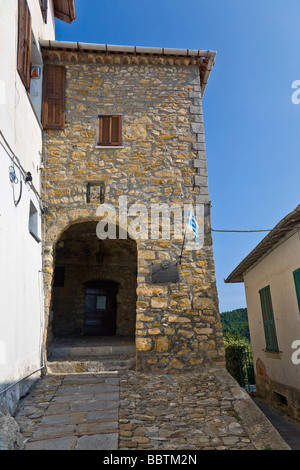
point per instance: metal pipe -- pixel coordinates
(21, 380)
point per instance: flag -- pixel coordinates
(193, 225)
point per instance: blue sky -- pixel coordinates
(252, 127)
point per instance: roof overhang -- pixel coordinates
(206, 58)
(65, 10)
(284, 229)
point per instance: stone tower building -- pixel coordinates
(123, 127)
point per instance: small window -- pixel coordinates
(44, 9)
(296, 275)
(34, 222)
(59, 276)
(268, 319)
(24, 43)
(110, 130)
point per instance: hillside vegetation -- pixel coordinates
(238, 351)
(235, 323)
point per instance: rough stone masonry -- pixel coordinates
(161, 159)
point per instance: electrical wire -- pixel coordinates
(23, 173)
(253, 231)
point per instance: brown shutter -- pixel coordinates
(116, 130)
(110, 130)
(24, 43)
(105, 129)
(53, 112)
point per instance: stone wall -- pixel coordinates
(161, 160)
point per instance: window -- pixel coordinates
(24, 43)
(59, 276)
(34, 222)
(268, 319)
(44, 8)
(297, 284)
(110, 130)
(53, 107)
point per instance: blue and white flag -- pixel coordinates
(193, 225)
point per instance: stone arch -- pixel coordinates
(73, 223)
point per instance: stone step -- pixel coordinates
(66, 352)
(86, 364)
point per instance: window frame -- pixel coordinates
(296, 276)
(268, 319)
(110, 143)
(33, 222)
(24, 43)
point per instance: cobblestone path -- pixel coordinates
(189, 411)
(73, 411)
(138, 411)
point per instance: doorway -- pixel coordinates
(100, 309)
(94, 285)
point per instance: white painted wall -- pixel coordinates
(21, 300)
(276, 270)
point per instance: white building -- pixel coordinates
(23, 23)
(271, 276)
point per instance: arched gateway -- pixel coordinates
(92, 289)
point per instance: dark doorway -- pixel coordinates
(100, 309)
(82, 262)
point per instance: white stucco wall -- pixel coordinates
(276, 270)
(21, 309)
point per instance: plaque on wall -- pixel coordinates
(165, 272)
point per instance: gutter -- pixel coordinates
(81, 46)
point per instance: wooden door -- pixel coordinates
(100, 309)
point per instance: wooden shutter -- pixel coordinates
(110, 130)
(297, 285)
(24, 43)
(268, 319)
(53, 112)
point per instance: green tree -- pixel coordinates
(238, 351)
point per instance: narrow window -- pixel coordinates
(59, 276)
(44, 8)
(53, 108)
(268, 319)
(34, 222)
(110, 130)
(297, 284)
(24, 43)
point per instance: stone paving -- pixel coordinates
(136, 411)
(73, 411)
(181, 412)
